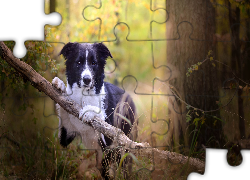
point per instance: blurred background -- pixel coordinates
(185, 63)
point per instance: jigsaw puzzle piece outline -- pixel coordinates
(189, 37)
(124, 23)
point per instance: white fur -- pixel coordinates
(86, 72)
(87, 52)
(58, 83)
(92, 105)
(88, 112)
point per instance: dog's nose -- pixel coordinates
(86, 80)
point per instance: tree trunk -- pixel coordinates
(236, 62)
(190, 31)
(52, 6)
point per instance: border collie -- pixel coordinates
(85, 85)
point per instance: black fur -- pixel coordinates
(113, 97)
(66, 139)
(75, 55)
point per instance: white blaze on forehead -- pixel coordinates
(86, 65)
(86, 71)
(87, 52)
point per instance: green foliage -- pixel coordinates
(188, 117)
(125, 155)
(36, 57)
(40, 159)
(244, 4)
(15, 85)
(195, 67)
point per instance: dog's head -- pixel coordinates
(85, 64)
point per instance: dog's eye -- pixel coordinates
(93, 63)
(79, 62)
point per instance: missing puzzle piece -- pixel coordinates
(218, 168)
(27, 23)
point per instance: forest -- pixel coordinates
(183, 62)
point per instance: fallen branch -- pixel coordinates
(163, 158)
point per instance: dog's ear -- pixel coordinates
(102, 51)
(70, 49)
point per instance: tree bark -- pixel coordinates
(52, 6)
(190, 30)
(163, 158)
(236, 61)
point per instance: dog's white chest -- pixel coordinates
(84, 98)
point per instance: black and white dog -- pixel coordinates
(85, 85)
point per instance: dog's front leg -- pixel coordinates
(59, 84)
(88, 113)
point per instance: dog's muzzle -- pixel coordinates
(86, 80)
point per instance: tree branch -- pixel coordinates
(163, 158)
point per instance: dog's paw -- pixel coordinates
(59, 84)
(88, 113)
